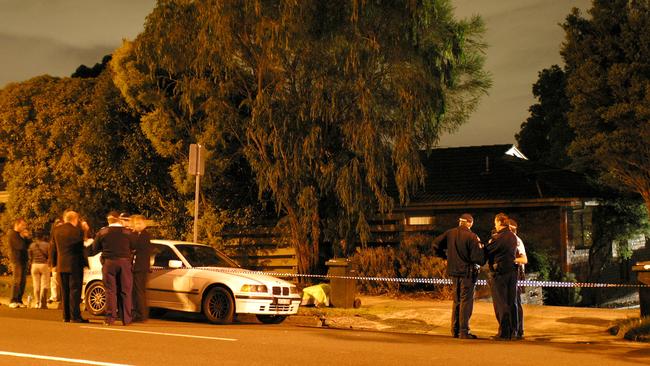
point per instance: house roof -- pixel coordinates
(495, 173)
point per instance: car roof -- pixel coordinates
(175, 242)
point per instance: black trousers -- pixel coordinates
(463, 304)
(19, 279)
(518, 330)
(118, 280)
(503, 287)
(71, 293)
(140, 308)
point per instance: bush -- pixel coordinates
(411, 259)
(548, 268)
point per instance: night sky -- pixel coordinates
(56, 36)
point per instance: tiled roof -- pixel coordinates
(496, 172)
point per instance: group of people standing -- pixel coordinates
(505, 255)
(59, 263)
(125, 265)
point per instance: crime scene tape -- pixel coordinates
(431, 281)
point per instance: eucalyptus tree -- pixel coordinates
(328, 102)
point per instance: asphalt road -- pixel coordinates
(38, 337)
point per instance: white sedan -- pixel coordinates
(198, 278)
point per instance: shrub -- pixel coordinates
(411, 259)
(547, 266)
(376, 262)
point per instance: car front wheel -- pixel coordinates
(271, 319)
(219, 306)
(96, 298)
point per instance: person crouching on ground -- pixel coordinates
(465, 255)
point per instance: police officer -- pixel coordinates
(116, 242)
(465, 255)
(503, 276)
(520, 260)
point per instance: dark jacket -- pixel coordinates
(501, 251)
(17, 247)
(142, 251)
(463, 251)
(114, 242)
(68, 249)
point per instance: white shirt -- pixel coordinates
(521, 250)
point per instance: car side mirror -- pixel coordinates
(175, 264)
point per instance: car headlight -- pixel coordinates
(254, 288)
(293, 290)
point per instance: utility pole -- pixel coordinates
(196, 168)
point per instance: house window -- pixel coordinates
(420, 220)
(580, 228)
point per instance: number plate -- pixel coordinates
(284, 301)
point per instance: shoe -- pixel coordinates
(80, 321)
(49, 301)
(455, 335)
(66, 320)
(14, 305)
(21, 305)
(467, 336)
(499, 338)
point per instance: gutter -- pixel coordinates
(538, 202)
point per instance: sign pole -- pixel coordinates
(196, 168)
(196, 208)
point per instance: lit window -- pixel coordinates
(420, 220)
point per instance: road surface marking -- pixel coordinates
(62, 359)
(160, 333)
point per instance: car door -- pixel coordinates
(167, 287)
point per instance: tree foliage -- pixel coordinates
(576, 115)
(546, 134)
(84, 71)
(326, 102)
(74, 143)
(607, 60)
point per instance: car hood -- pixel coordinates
(241, 274)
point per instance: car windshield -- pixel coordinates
(204, 256)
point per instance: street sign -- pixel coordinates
(197, 160)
